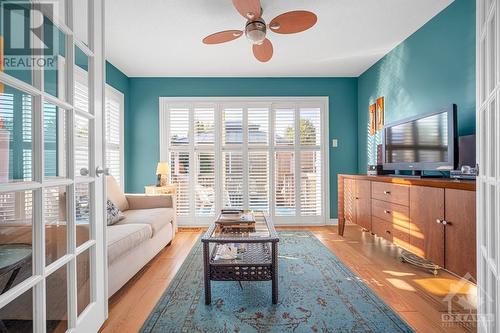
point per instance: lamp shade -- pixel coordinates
(162, 168)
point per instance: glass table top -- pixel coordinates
(262, 229)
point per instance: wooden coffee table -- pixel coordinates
(258, 262)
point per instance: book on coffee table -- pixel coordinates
(236, 217)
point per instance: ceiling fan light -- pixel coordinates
(275, 26)
(256, 32)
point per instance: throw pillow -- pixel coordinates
(114, 214)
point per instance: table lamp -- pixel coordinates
(161, 173)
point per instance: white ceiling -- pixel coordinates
(163, 37)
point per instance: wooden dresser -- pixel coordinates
(433, 218)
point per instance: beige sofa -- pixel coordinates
(149, 225)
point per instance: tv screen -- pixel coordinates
(422, 143)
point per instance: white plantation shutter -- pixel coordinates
(258, 181)
(310, 126)
(258, 125)
(81, 91)
(284, 127)
(179, 175)
(204, 126)
(232, 126)
(245, 154)
(179, 126)
(205, 184)
(114, 133)
(233, 179)
(81, 144)
(310, 183)
(284, 183)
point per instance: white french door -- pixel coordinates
(260, 153)
(488, 148)
(52, 233)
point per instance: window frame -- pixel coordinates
(219, 147)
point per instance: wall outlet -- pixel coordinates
(335, 143)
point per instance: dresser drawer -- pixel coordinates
(398, 194)
(391, 232)
(382, 228)
(390, 212)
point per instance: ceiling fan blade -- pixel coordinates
(222, 37)
(264, 51)
(249, 9)
(293, 22)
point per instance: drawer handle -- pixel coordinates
(387, 192)
(387, 211)
(443, 222)
(388, 232)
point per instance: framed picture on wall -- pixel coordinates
(373, 121)
(379, 114)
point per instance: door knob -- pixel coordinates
(99, 171)
(84, 172)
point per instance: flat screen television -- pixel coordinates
(422, 143)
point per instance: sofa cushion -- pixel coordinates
(115, 193)
(157, 218)
(124, 237)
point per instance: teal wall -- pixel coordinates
(432, 68)
(141, 120)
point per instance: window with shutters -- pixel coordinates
(114, 113)
(246, 154)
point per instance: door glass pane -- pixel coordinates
(284, 185)
(55, 137)
(492, 222)
(258, 125)
(81, 146)
(204, 126)
(17, 46)
(232, 131)
(55, 223)
(258, 181)
(16, 229)
(205, 185)
(17, 316)
(482, 70)
(284, 127)
(57, 301)
(83, 209)
(81, 20)
(233, 180)
(492, 40)
(81, 80)
(310, 126)
(179, 172)
(310, 183)
(15, 135)
(83, 280)
(484, 143)
(492, 139)
(56, 40)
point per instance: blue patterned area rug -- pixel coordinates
(317, 293)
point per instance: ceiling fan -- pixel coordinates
(256, 28)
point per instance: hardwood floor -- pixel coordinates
(416, 295)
